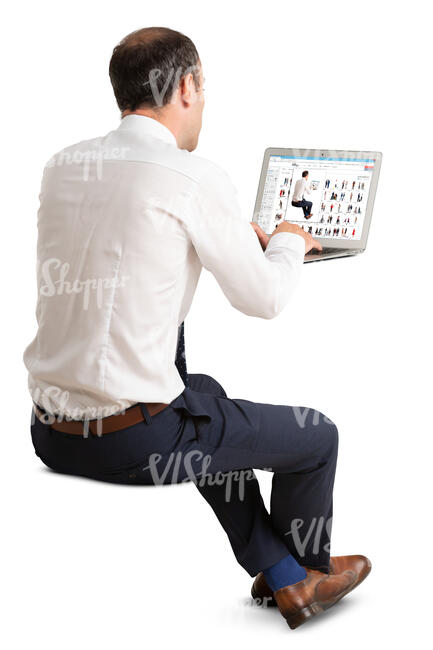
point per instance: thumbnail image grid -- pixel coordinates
(339, 203)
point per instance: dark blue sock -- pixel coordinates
(285, 572)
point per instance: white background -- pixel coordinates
(91, 565)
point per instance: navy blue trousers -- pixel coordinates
(305, 205)
(216, 442)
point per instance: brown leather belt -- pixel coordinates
(110, 424)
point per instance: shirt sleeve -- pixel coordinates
(256, 283)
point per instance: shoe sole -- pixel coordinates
(306, 614)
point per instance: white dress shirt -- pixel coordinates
(126, 223)
(301, 187)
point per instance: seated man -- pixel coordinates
(126, 223)
(298, 200)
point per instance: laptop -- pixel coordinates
(329, 193)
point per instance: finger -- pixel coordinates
(316, 244)
(263, 239)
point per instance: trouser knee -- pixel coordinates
(207, 384)
(330, 433)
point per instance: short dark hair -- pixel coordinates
(147, 66)
(305, 173)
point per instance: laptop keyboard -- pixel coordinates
(314, 251)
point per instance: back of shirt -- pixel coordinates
(299, 190)
(125, 224)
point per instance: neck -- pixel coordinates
(160, 115)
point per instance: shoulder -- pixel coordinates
(202, 170)
(207, 179)
(206, 175)
(76, 153)
(213, 180)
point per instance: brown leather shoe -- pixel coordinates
(302, 601)
(360, 564)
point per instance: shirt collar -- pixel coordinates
(147, 126)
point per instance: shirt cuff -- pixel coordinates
(289, 240)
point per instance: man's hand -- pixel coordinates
(262, 236)
(310, 243)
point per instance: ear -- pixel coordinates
(187, 89)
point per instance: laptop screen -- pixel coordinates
(325, 196)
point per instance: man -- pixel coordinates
(298, 201)
(126, 223)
